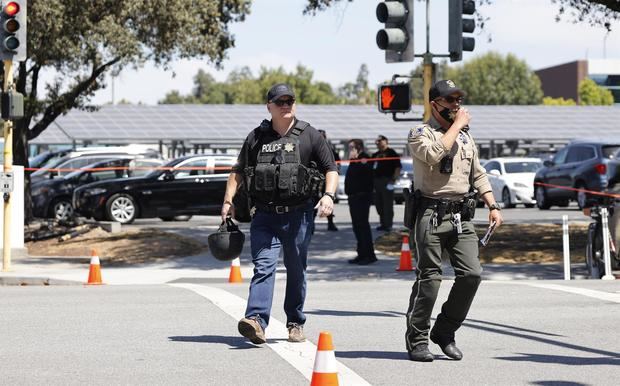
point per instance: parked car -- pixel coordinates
(52, 197)
(69, 162)
(581, 164)
(190, 185)
(512, 180)
(342, 173)
(404, 180)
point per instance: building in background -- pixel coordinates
(562, 81)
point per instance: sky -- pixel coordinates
(334, 44)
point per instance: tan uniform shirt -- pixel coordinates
(427, 150)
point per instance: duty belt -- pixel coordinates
(281, 209)
(444, 206)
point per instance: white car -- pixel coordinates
(512, 180)
(340, 195)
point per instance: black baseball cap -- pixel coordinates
(381, 138)
(444, 88)
(279, 90)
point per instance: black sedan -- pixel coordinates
(52, 197)
(191, 185)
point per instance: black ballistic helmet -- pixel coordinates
(227, 243)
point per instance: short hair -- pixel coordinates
(357, 143)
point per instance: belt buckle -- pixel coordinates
(281, 209)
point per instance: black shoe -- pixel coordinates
(447, 345)
(332, 227)
(420, 353)
(355, 261)
(367, 261)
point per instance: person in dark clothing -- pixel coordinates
(358, 187)
(330, 219)
(386, 172)
(282, 162)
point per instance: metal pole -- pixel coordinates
(8, 168)
(427, 74)
(566, 247)
(606, 255)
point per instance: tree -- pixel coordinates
(591, 93)
(79, 41)
(357, 92)
(594, 12)
(492, 79)
(242, 87)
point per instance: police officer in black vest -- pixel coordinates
(284, 163)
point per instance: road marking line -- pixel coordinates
(611, 297)
(299, 355)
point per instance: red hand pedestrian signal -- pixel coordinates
(386, 98)
(394, 98)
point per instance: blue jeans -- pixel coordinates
(269, 233)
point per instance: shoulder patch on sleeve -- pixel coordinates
(416, 131)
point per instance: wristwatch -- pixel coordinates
(494, 206)
(330, 195)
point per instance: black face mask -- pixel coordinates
(446, 114)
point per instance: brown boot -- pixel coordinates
(251, 329)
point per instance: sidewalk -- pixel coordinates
(327, 261)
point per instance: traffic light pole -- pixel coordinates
(8, 166)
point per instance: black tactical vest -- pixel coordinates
(279, 177)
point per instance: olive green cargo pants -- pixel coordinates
(431, 241)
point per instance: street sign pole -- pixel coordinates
(8, 170)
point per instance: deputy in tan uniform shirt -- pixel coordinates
(446, 165)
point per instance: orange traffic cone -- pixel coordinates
(94, 272)
(405, 256)
(235, 271)
(325, 372)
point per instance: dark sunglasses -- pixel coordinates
(282, 102)
(451, 99)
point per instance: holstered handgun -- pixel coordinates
(412, 206)
(470, 201)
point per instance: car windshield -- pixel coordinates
(522, 167)
(161, 169)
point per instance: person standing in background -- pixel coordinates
(386, 172)
(358, 187)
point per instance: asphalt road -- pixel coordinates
(518, 333)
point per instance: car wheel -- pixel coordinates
(121, 208)
(61, 209)
(542, 202)
(582, 197)
(506, 198)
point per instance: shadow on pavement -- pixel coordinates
(235, 342)
(400, 355)
(561, 359)
(390, 314)
(613, 357)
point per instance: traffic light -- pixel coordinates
(394, 98)
(397, 36)
(457, 43)
(13, 30)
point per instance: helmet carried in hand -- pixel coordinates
(227, 243)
